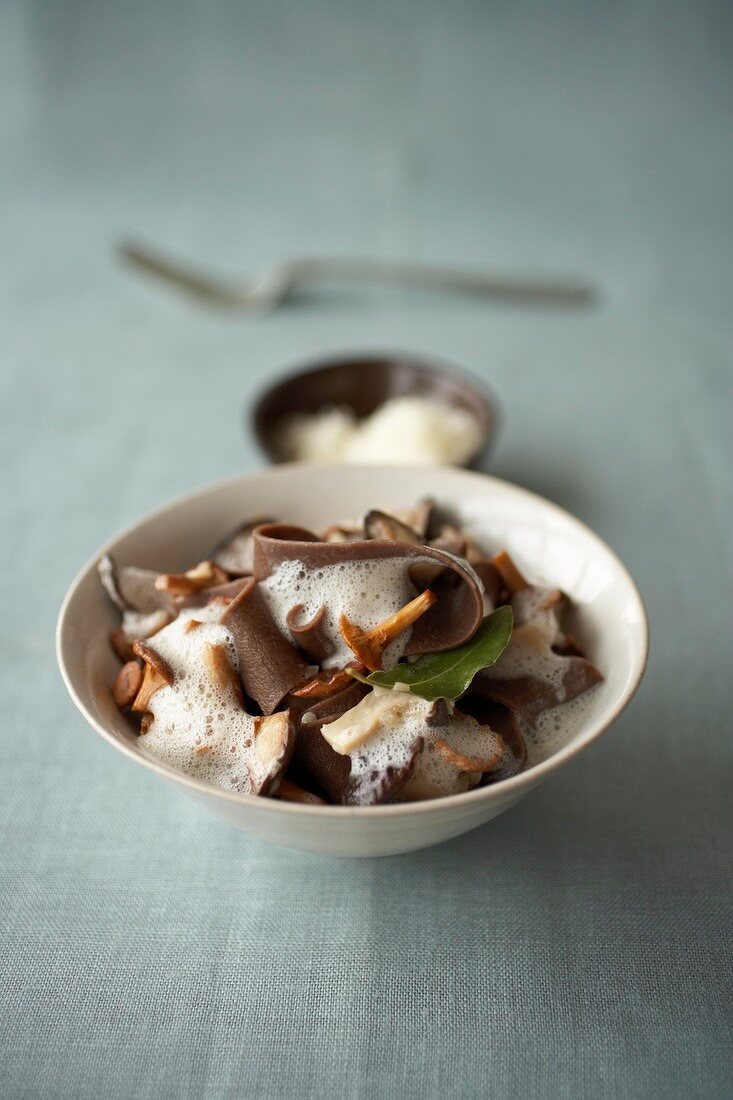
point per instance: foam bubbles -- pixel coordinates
(366, 591)
(435, 776)
(198, 727)
(529, 654)
(400, 720)
(555, 728)
(393, 743)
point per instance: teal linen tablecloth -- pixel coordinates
(578, 946)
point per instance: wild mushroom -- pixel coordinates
(291, 792)
(220, 669)
(204, 575)
(218, 593)
(342, 532)
(381, 525)
(145, 610)
(368, 646)
(456, 757)
(274, 739)
(507, 570)
(127, 684)
(324, 685)
(157, 673)
(420, 518)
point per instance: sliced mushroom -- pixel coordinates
(220, 669)
(204, 575)
(450, 542)
(154, 659)
(381, 525)
(234, 553)
(455, 757)
(274, 740)
(463, 763)
(221, 593)
(421, 516)
(132, 589)
(128, 683)
(152, 681)
(157, 673)
(342, 532)
(368, 646)
(507, 570)
(288, 791)
(324, 685)
(121, 644)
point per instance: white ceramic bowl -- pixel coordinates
(546, 542)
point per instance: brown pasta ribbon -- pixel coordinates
(456, 614)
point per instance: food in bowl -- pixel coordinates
(411, 429)
(393, 659)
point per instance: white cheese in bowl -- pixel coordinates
(413, 430)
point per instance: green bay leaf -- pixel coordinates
(447, 675)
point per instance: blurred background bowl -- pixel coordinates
(363, 382)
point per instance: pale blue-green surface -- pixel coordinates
(578, 946)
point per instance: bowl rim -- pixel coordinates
(484, 394)
(517, 784)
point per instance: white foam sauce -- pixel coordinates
(434, 776)
(366, 591)
(557, 727)
(198, 727)
(136, 625)
(529, 654)
(392, 743)
(395, 720)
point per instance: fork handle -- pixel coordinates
(484, 284)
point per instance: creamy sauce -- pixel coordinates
(528, 654)
(367, 592)
(199, 727)
(434, 776)
(557, 727)
(381, 731)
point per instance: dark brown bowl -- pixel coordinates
(363, 383)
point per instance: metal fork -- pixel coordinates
(270, 287)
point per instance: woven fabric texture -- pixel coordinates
(578, 946)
